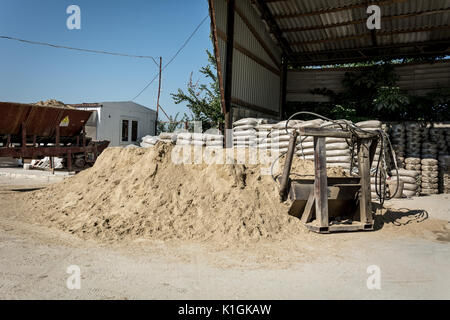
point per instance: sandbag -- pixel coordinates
(430, 168)
(429, 162)
(245, 121)
(250, 133)
(410, 186)
(408, 193)
(243, 128)
(184, 136)
(408, 173)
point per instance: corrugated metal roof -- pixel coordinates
(322, 30)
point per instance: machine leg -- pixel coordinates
(320, 183)
(365, 198)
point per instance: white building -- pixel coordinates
(121, 123)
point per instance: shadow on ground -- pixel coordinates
(399, 217)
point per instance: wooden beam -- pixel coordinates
(365, 197)
(283, 86)
(320, 182)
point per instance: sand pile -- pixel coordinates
(140, 193)
(53, 103)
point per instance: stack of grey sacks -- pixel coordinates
(437, 135)
(168, 137)
(413, 139)
(444, 173)
(244, 132)
(430, 176)
(397, 134)
(429, 145)
(411, 180)
(414, 165)
(373, 126)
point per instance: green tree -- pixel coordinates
(203, 100)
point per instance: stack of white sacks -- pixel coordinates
(430, 176)
(263, 135)
(414, 165)
(411, 180)
(248, 132)
(214, 139)
(149, 141)
(169, 137)
(280, 135)
(193, 139)
(244, 132)
(338, 152)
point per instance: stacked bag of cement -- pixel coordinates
(244, 132)
(263, 135)
(337, 149)
(194, 139)
(444, 173)
(214, 140)
(414, 165)
(437, 136)
(305, 145)
(430, 176)
(411, 180)
(397, 134)
(413, 139)
(280, 135)
(149, 141)
(169, 137)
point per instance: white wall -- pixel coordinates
(109, 121)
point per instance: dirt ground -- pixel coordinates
(411, 249)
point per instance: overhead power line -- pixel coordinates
(174, 56)
(77, 49)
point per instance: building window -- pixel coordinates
(134, 131)
(125, 130)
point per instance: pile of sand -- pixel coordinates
(140, 193)
(53, 103)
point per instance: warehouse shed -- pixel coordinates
(121, 123)
(256, 40)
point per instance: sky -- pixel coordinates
(29, 73)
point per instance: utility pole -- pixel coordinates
(159, 94)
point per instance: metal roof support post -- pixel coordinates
(229, 69)
(283, 87)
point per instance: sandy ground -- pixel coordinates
(413, 258)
